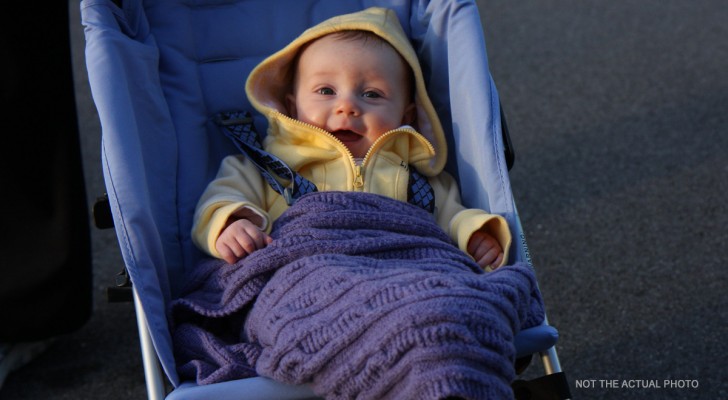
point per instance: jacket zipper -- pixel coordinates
(358, 178)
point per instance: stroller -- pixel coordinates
(160, 69)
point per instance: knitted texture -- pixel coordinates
(360, 296)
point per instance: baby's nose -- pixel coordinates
(347, 105)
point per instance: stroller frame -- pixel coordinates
(121, 41)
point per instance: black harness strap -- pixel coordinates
(239, 128)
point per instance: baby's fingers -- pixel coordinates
(488, 257)
(254, 239)
(239, 239)
(485, 250)
(498, 261)
(475, 243)
(230, 252)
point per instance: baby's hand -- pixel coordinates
(239, 239)
(485, 250)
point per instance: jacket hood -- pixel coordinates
(270, 82)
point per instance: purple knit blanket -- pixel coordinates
(360, 296)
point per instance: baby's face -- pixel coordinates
(355, 89)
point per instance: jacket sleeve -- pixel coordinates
(461, 222)
(236, 192)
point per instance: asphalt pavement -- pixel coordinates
(618, 112)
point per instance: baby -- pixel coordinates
(342, 102)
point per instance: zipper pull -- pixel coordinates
(358, 178)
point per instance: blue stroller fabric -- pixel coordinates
(364, 297)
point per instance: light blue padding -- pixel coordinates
(159, 71)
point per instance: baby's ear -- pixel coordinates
(410, 114)
(291, 105)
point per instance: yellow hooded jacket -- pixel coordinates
(239, 191)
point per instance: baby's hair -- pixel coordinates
(354, 35)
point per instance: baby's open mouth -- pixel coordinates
(346, 135)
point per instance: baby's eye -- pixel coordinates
(371, 95)
(325, 91)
